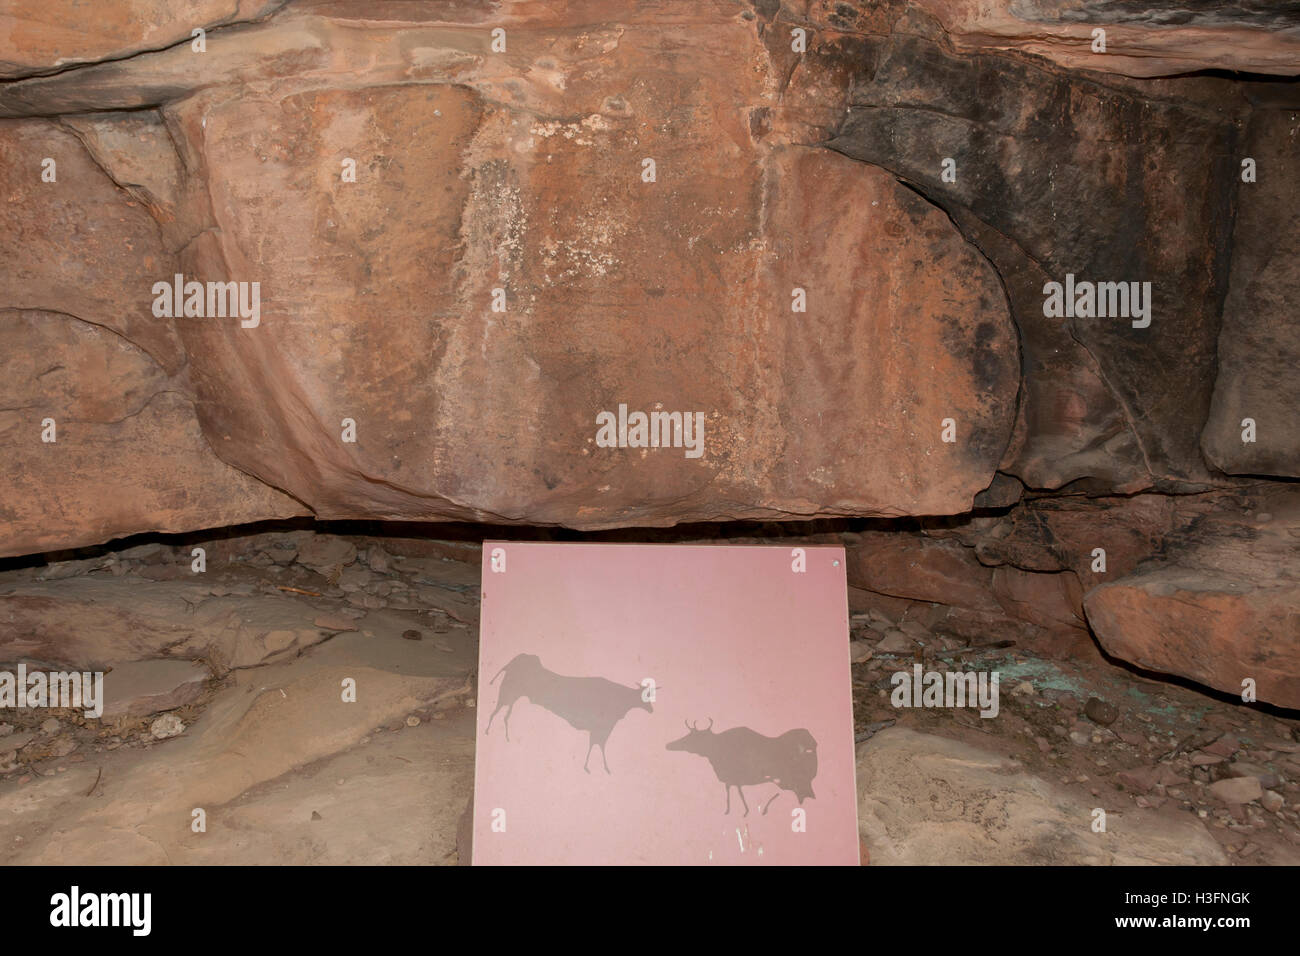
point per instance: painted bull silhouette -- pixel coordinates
(592, 704)
(743, 758)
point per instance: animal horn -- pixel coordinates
(688, 725)
(710, 727)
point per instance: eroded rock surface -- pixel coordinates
(927, 800)
(838, 259)
(1221, 605)
(746, 280)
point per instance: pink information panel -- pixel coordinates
(657, 704)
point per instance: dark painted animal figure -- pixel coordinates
(593, 704)
(743, 758)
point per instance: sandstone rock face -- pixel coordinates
(1119, 406)
(926, 800)
(127, 452)
(504, 269)
(149, 687)
(920, 569)
(1141, 38)
(46, 35)
(95, 621)
(1221, 607)
(824, 232)
(1258, 349)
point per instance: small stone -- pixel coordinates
(412, 635)
(1206, 760)
(413, 721)
(1023, 689)
(1044, 744)
(1235, 790)
(1081, 739)
(1272, 801)
(1146, 779)
(316, 816)
(1100, 712)
(168, 725)
(322, 553)
(354, 578)
(1265, 776)
(282, 554)
(1225, 746)
(50, 725)
(859, 651)
(1283, 746)
(6, 730)
(895, 642)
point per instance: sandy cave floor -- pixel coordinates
(285, 776)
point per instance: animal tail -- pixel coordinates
(500, 672)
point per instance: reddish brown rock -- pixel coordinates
(1258, 351)
(47, 35)
(1146, 779)
(1222, 607)
(128, 455)
(921, 569)
(1051, 601)
(523, 172)
(1039, 185)
(80, 245)
(1062, 533)
(1141, 38)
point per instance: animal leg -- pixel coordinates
(602, 758)
(728, 786)
(493, 716)
(584, 763)
(741, 791)
(769, 803)
(505, 721)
